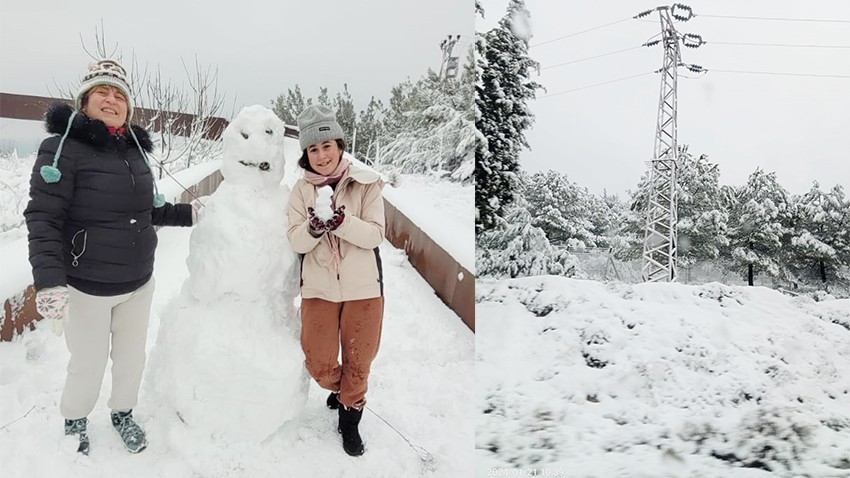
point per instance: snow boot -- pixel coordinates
(79, 427)
(131, 433)
(349, 419)
(333, 400)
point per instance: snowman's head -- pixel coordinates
(253, 148)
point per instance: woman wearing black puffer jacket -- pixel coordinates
(91, 216)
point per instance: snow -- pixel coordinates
(14, 262)
(172, 186)
(582, 378)
(421, 383)
(323, 203)
(452, 228)
(14, 194)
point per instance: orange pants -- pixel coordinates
(356, 325)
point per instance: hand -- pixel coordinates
(52, 304)
(336, 220)
(197, 206)
(317, 226)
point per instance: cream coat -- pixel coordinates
(360, 275)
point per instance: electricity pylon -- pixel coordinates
(660, 243)
(449, 63)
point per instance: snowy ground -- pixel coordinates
(583, 379)
(422, 384)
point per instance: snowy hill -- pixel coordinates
(584, 379)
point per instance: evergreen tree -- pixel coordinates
(346, 116)
(287, 107)
(820, 246)
(563, 210)
(370, 128)
(323, 98)
(702, 220)
(430, 129)
(702, 216)
(517, 248)
(502, 91)
(758, 228)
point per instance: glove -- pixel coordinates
(317, 226)
(52, 304)
(336, 220)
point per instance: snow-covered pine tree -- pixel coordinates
(517, 248)
(370, 128)
(288, 106)
(758, 228)
(323, 98)
(563, 210)
(820, 243)
(608, 219)
(502, 94)
(430, 127)
(703, 219)
(343, 104)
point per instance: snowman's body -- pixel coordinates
(228, 358)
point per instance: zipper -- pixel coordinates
(75, 257)
(132, 177)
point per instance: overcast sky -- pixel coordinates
(602, 136)
(261, 48)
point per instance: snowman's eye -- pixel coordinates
(269, 131)
(245, 135)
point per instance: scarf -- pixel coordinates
(338, 175)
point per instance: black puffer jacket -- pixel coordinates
(94, 228)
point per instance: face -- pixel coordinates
(324, 157)
(108, 104)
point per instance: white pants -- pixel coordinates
(91, 322)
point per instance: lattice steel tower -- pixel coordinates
(659, 245)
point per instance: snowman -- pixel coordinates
(227, 358)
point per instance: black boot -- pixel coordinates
(333, 400)
(131, 433)
(349, 418)
(79, 427)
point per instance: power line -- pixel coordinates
(597, 84)
(579, 33)
(775, 44)
(591, 57)
(812, 75)
(774, 18)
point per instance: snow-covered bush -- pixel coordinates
(14, 193)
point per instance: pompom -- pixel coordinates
(158, 200)
(50, 174)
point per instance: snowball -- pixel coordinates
(324, 211)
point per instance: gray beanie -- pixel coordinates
(318, 124)
(105, 72)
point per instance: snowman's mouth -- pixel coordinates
(264, 166)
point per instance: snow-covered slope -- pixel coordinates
(584, 379)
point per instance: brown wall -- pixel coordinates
(433, 263)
